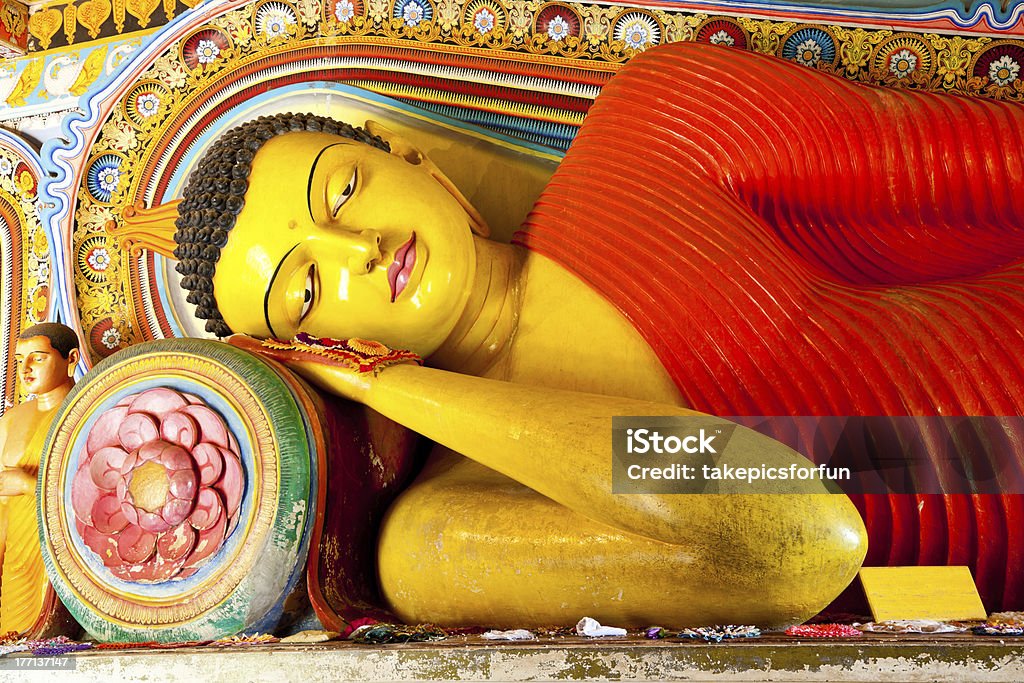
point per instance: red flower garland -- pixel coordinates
(823, 631)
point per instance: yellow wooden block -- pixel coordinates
(939, 593)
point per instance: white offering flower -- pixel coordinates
(808, 52)
(276, 22)
(413, 14)
(99, 259)
(109, 178)
(344, 11)
(484, 21)
(147, 104)
(636, 35)
(111, 338)
(207, 51)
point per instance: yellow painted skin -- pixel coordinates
(512, 522)
(44, 372)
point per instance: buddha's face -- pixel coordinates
(340, 239)
(41, 367)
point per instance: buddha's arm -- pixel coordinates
(13, 480)
(555, 442)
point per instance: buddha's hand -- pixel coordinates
(345, 367)
(15, 481)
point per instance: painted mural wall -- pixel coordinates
(108, 109)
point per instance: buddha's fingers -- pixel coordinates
(16, 482)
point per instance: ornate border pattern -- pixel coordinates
(63, 23)
(24, 254)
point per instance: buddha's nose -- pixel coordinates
(364, 252)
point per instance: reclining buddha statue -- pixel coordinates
(719, 240)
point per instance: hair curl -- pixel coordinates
(215, 195)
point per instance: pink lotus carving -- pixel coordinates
(159, 487)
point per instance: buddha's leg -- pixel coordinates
(465, 545)
(23, 574)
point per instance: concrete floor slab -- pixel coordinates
(772, 658)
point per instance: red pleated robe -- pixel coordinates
(790, 243)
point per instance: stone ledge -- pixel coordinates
(773, 658)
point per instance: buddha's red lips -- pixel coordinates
(400, 269)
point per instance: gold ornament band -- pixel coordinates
(360, 355)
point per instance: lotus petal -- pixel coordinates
(209, 461)
(211, 425)
(104, 432)
(135, 545)
(105, 467)
(158, 402)
(181, 429)
(136, 430)
(107, 516)
(209, 509)
(177, 543)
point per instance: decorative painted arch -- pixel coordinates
(25, 294)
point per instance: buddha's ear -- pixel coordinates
(73, 358)
(401, 147)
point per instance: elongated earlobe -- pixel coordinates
(141, 228)
(403, 148)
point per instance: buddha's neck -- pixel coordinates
(52, 398)
(486, 329)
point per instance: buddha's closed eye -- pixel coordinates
(309, 296)
(344, 195)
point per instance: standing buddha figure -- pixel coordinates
(46, 354)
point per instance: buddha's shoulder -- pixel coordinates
(17, 427)
(571, 337)
(22, 419)
(26, 410)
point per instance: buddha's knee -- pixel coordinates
(787, 556)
